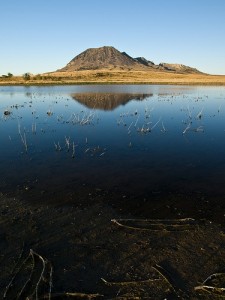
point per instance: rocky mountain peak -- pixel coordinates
(108, 57)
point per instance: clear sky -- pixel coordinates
(44, 35)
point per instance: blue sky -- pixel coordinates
(44, 35)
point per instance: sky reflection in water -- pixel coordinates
(140, 139)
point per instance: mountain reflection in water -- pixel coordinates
(66, 140)
(107, 101)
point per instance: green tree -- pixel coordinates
(26, 76)
(9, 75)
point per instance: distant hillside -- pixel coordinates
(145, 62)
(111, 59)
(178, 68)
(101, 58)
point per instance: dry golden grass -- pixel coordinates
(117, 76)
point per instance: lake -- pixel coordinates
(138, 142)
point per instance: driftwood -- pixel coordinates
(180, 294)
(158, 224)
(56, 296)
(37, 283)
(31, 286)
(209, 288)
(125, 283)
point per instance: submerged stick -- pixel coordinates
(199, 115)
(14, 276)
(156, 225)
(213, 276)
(32, 253)
(74, 295)
(187, 128)
(167, 277)
(67, 143)
(156, 124)
(164, 129)
(136, 121)
(124, 283)
(73, 150)
(130, 126)
(212, 289)
(29, 279)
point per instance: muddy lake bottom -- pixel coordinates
(111, 192)
(100, 244)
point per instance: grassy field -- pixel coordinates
(119, 77)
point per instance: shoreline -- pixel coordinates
(108, 77)
(56, 83)
(113, 83)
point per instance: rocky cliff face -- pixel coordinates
(111, 59)
(144, 61)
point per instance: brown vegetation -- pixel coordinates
(116, 76)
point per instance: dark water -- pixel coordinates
(138, 140)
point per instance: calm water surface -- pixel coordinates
(135, 139)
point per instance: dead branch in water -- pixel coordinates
(75, 296)
(167, 277)
(124, 283)
(209, 288)
(157, 224)
(30, 287)
(14, 272)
